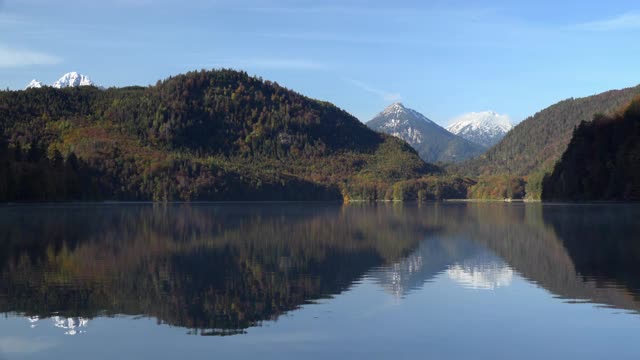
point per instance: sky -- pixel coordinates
(442, 58)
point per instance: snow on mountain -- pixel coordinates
(469, 264)
(483, 275)
(71, 326)
(484, 128)
(72, 79)
(397, 113)
(34, 84)
(433, 142)
(400, 121)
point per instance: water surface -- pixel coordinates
(442, 281)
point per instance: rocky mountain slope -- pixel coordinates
(433, 142)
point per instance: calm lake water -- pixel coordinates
(316, 281)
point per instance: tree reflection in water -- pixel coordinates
(219, 269)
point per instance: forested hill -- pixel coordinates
(602, 161)
(537, 143)
(207, 135)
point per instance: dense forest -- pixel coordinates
(602, 161)
(206, 135)
(531, 149)
(224, 135)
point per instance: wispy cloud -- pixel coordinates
(625, 21)
(91, 4)
(386, 95)
(270, 63)
(313, 9)
(10, 57)
(334, 37)
(366, 9)
(9, 19)
(133, 3)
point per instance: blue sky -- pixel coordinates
(442, 58)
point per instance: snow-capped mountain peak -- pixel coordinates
(402, 122)
(34, 84)
(393, 108)
(433, 142)
(485, 128)
(480, 120)
(72, 79)
(398, 114)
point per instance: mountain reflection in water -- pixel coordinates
(219, 269)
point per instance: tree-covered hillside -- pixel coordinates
(602, 161)
(532, 148)
(207, 135)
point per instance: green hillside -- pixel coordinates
(206, 135)
(602, 161)
(534, 146)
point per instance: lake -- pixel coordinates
(316, 281)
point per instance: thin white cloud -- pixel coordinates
(385, 95)
(76, 3)
(625, 21)
(9, 19)
(334, 37)
(366, 10)
(270, 63)
(310, 9)
(10, 57)
(133, 3)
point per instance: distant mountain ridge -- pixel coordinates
(484, 128)
(71, 79)
(433, 142)
(537, 143)
(34, 84)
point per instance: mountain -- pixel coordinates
(72, 79)
(433, 142)
(538, 142)
(34, 84)
(461, 259)
(206, 135)
(532, 148)
(602, 161)
(484, 128)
